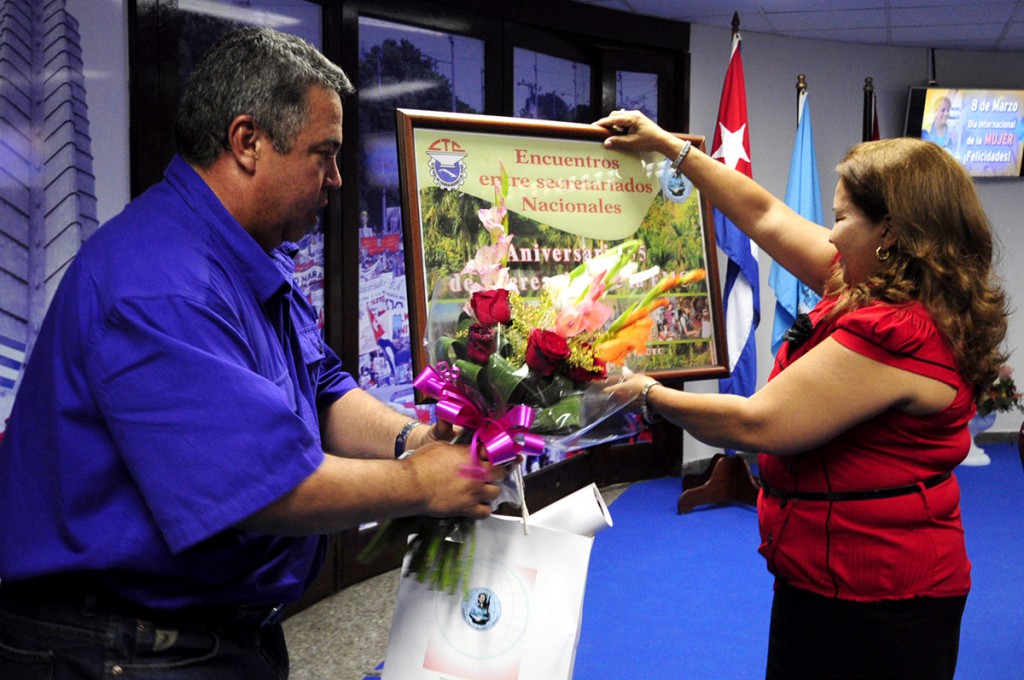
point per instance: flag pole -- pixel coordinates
(728, 477)
(803, 195)
(801, 93)
(868, 129)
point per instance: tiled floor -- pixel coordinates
(345, 636)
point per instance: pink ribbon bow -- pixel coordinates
(503, 437)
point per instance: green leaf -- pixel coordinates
(450, 350)
(503, 379)
(469, 372)
(565, 416)
(434, 543)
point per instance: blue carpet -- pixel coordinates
(992, 502)
(675, 596)
(678, 597)
(687, 597)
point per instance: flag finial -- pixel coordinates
(801, 92)
(735, 23)
(869, 130)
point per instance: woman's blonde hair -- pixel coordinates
(943, 254)
(939, 101)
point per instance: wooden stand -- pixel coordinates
(727, 480)
(1020, 444)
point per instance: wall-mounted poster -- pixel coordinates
(569, 200)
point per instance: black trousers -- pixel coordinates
(66, 629)
(821, 638)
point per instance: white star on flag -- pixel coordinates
(741, 296)
(731, 149)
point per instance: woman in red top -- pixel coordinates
(865, 414)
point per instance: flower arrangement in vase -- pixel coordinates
(999, 397)
(1002, 395)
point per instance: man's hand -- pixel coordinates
(446, 491)
(440, 431)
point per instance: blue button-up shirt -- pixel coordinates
(173, 390)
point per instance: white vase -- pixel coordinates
(978, 424)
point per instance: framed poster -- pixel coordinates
(569, 199)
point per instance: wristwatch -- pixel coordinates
(649, 416)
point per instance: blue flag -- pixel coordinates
(742, 294)
(803, 194)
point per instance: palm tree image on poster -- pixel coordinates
(557, 219)
(672, 233)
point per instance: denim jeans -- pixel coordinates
(93, 636)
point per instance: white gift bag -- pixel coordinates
(518, 617)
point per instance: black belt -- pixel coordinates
(80, 591)
(873, 494)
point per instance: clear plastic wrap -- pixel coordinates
(525, 376)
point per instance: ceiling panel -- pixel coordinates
(986, 25)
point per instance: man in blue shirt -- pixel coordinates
(182, 439)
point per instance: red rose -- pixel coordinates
(580, 374)
(481, 343)
(491, 306)
(545, 350)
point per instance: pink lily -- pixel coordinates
(493, 219)
(587, 315)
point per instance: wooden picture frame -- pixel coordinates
(569, 198)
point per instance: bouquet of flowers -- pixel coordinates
(1001, 395)
(523, 376)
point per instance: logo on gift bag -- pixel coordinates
(481, 608)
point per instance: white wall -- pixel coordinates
(835, 74)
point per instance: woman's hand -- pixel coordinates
(627, 391)
(633, 131)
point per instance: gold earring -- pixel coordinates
(882, 255)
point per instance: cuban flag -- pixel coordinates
(803, 194)
(742, 293)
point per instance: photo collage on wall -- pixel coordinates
(392, 56)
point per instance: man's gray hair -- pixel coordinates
(256, 71)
